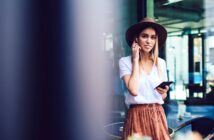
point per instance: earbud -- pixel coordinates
(136, 40)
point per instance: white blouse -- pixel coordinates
(146, 92)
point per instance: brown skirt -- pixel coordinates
(146, 120)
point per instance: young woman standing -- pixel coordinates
(141, 73)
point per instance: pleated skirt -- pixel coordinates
(146, 120)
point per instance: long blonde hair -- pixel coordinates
(154, 56)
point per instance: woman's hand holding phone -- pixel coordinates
(162, 90)
(135, 51)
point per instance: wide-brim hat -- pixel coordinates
(135, 29)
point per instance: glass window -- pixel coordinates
(189, 47)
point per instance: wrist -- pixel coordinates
(164, 96)
(135, 60)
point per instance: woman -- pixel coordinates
(141, 73)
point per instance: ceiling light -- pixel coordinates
(171, 2)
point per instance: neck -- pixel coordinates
(145, 56)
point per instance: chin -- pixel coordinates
(147, 50)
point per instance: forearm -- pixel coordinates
(134, 80)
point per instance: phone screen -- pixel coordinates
(163, 84)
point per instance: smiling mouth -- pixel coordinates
(147, 46)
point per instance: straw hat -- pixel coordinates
(146, 22)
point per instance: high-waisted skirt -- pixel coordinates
(146, 120)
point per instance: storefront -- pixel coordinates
(188, 50)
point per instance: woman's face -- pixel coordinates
(147, 39)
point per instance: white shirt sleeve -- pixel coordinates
(124, 66)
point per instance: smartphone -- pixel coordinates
(165, 83)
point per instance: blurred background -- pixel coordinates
(59, 76)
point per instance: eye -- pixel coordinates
(144, 35)
(153, 37)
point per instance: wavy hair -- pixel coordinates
(154, 56)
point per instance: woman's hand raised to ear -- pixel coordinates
(132, 80)
(135, 51)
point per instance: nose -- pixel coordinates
(148, 39)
